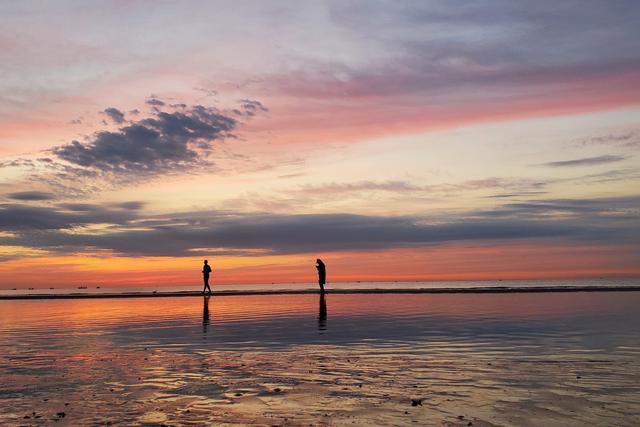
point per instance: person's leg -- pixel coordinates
(207, 284)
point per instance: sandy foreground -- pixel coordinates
(324, 386)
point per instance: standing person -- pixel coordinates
(322, 274)
(206, 270)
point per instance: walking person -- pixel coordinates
(206, 270)
(322, 274)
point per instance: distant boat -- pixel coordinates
(82, 287)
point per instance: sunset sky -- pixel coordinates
(395, 140)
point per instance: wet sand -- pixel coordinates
(331, 386)
(454, 360)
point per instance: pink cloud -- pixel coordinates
(308, 111)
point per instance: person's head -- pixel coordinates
(319, 261)
(206, 262)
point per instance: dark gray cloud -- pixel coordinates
(514, 195)
(596, 221)
(133, 206)
(252, 107)
(586, 161)
(31, 195)
(78, 207)
(22, 217)
(114, 114)
(164, 142)
(174, 139)
(155, 102)
(16, 217)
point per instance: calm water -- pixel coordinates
(492, 359)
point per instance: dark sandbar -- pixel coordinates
(476, 290)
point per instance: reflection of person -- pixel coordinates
(322, 314)
(206, 270)
(205, 314)
(322, 274)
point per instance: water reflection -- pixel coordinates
(522, 353)
(205, 314)
(598, 320)
(322, 314)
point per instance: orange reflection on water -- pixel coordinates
(158, 360)
(113, 311)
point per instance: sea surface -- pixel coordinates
(562, 358)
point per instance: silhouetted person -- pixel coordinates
(205, 314)
(322, 314)
(206, 270)
(322, 274)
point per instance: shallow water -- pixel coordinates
(488, 359)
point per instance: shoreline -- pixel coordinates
(474, 290)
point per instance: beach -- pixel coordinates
(562, 358)
(404, 213)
